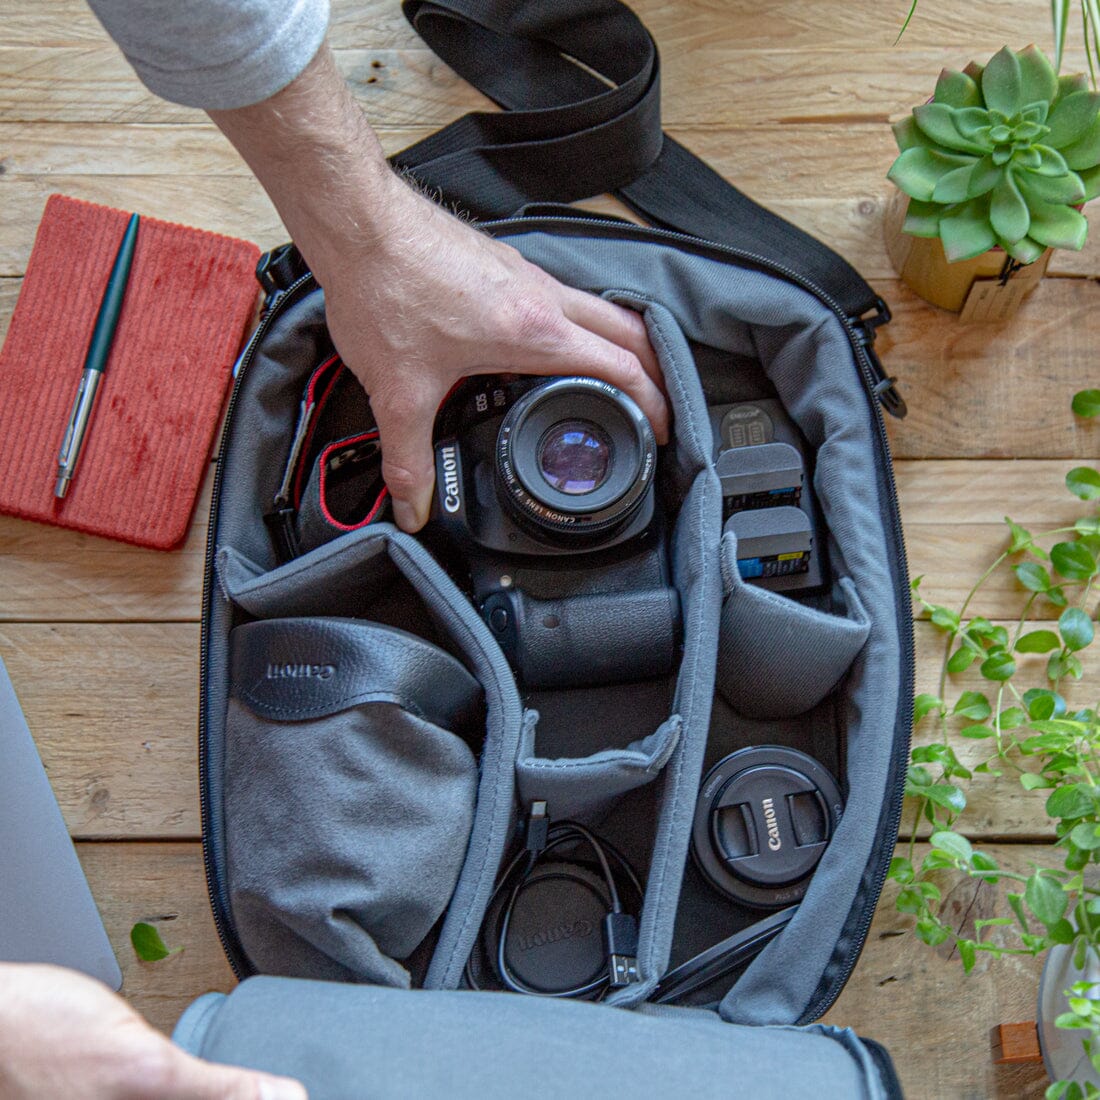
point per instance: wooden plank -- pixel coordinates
(998, 390)
(676, 24)
(933, 1018)
(122, 757)
(952, 512)
(163, 884)
(113, 709)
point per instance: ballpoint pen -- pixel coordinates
(95, 362)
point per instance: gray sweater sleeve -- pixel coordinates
(215, 54)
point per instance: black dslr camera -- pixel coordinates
(545, 487)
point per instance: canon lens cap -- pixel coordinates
(763, 819)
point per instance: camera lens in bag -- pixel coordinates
(575, 457)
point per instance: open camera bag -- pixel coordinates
(367, 758)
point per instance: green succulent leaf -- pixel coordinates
(1090, 177)
(1002, 83)
(1071, 118)
(1057, 226)
(908, 134)
(985, 177)
(1070, 83)
(966, 232)
(918, 170)
(958, 90)
(922, 219)
(1085, 151)
(955, 185)
(1008, 212)
(937, 121)
(974, 70)
(1038, 80)
(1024, 251)
(1051, 162)
(973, 123)
(1039, 188)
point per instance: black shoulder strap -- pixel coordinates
(580, 82)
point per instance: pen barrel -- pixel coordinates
(78, 421)
(99, 347)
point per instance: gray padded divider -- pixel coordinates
(778, 657)
(345, 1041)
(805, 354)
(583, 788)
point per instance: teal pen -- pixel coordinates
(95, 362)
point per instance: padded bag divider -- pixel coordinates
(344, 1041)
(349, 800)
(778, 657)
(584, 788)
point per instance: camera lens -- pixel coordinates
(575, 457)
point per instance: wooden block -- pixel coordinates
(1016, 1044)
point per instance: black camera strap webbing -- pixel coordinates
(570, 131)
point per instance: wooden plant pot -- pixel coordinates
(923, 267)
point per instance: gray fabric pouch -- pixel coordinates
(349, 793)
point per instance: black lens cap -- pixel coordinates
(763, 819)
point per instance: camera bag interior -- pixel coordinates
(366, 752)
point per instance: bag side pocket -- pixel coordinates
(778, 657)
(349, 795)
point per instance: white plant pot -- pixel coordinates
(1063, 1055)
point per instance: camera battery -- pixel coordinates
(772, 542)
(767, 475)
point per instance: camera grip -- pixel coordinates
(581, 640)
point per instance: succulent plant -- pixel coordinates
(1002, 155)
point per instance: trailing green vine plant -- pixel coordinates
(1035, 740)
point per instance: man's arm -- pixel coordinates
(415, 298)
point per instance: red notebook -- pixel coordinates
(190, 299)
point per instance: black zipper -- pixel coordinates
(218, 904)
(872, 381)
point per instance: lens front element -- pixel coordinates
(575, 457)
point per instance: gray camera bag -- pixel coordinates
(368, 758)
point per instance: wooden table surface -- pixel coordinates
(791, 100)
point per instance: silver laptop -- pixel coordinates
(46, 909)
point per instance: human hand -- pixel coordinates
(63, 1034)
(431, 301)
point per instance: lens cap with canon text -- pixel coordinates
(764, 817)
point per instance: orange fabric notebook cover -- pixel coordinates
(190, 299)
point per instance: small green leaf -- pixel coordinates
(1031, 782)
(147, 944)
(1086, 403)
(1073, 561)
(1086, 836)
(946, 795)
(1071, 802)
(925, 704)
(1021, 537)
(999, 667)
(901, 870)
(1033, 576)
(961, 659)
(931, 931)
(973, 705)
(1076, 628)
(1084, 482)
(953, 844)
(1042, 704)
(945, 618)
(976, 733)
(1012, 718)
(968, 953)
(1046, 898)
(1089, 527)
(1062, 931)
(1038, 641)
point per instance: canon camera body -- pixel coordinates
(545, 489)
